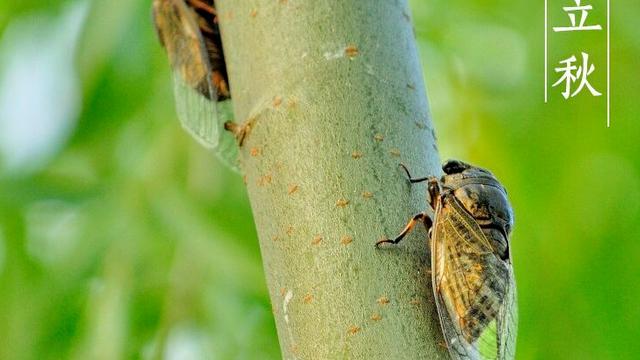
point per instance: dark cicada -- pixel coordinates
(189, 33)
(472, 272)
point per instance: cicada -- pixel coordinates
(189, 33)
(471, 268)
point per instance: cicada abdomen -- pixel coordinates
(189, 33)
(472, 272)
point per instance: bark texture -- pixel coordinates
(334, 95)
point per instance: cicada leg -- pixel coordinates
(198, 4)
(434, 192)
(412, 180)
(433, 185)
(220, 84)
(424, 217)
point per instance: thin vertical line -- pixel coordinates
(546, 53)
(608, 63)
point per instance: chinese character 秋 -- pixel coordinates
(581, 74)
(584, 12)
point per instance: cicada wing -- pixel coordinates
(199, 112)
(508, 321)
(471, 286)
(196, 113)
(227, 150)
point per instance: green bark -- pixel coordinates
(334, 94)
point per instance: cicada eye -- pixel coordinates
(454, 167)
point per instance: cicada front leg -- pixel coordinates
(434, 191)
(433, 186)
(421, 217)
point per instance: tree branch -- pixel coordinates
(333, 94)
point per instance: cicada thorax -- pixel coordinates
(484, 199)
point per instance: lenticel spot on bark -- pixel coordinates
(383, 300)
(351, 51)
(346, 240)
(307, 299)
(353, 329)
(292, 189)
(342, 203)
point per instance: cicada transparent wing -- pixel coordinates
(508, 319)
(474, 288)
(200, 113)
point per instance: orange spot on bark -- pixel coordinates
(292, 189)
(342, 203)
(346, 240)
(383, 300)
(353, 329)
(277, 101)
(351, 51)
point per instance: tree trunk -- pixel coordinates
(333, 94)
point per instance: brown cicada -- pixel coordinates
(189, 32)
(472, 272)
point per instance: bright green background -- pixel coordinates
(122, 238)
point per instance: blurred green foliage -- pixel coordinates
(122, 238)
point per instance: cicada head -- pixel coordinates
(484, 198)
